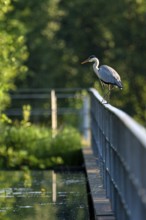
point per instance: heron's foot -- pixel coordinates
(104, 101)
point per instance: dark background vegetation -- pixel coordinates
(42, 44)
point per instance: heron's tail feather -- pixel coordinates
(120, 84)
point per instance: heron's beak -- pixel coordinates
(85, 61)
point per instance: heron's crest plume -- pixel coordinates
(92, 56)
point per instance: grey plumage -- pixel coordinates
(106, 74)
(109, 76)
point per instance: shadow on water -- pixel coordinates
(43, 195)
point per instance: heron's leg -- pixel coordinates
(110, 87)
(103, 87)
(102, 84)
(107, 94)
(109, 91)
(105, 97)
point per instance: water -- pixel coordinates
(43, 195)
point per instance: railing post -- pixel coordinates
(54, 187)
(54, 112)
(86, 118)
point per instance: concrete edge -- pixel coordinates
(101, 204)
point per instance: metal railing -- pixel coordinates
(120, 145)
(53, 107)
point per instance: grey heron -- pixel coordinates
(106, 74)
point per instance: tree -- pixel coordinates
(116, 35)
(13, 52)
(40, 19)
(60, 34)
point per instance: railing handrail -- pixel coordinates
(119, 144)
(138, 130)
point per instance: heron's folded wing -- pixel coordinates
(108, 75)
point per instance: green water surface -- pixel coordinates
(43, 195)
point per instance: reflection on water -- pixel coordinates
(43, 195)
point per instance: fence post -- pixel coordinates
(86, 118)
(54, 112)
(54, 187)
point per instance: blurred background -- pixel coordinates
(43, 43)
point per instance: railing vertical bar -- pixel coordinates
(120, 144)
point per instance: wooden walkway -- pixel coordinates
(101, 204)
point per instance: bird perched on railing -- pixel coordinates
(106, 74)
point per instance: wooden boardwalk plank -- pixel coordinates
(101, 204)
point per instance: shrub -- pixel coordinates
(34, 147)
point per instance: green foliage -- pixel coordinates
(33, 146)
(64, 36)
(67, 144)
(26, 115)
(12, 52)
(59, 36)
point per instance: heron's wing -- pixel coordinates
(108, 75)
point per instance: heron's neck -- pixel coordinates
(96, 63)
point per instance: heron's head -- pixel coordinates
(92, 58)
